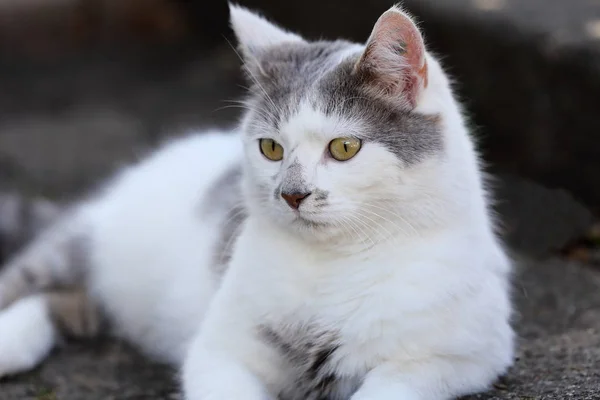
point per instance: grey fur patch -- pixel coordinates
(293, 181)
(288, 73)
(309, 350)
(57, 258)
(224, 202)
(230, 231)
(21, 218)
(78, 253)
(320, 196)
(29, 277)
(410, 136)
(313, 71)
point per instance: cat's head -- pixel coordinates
(350, 140)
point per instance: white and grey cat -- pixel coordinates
(337, 246)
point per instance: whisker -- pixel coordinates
(390, 235)
(344, 224)
(362, 206)
(265, 114)
(253, 76)
(415, 231)
(347, 221)
(367, 236)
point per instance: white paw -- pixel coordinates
(26, 335)
(217, 380)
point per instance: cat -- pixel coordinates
(338, 244)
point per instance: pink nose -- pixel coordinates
(294, 199)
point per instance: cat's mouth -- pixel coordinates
(308, 219)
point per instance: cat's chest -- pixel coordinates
(313, 357)
(326, 345)
(323, 315)
(330, 338)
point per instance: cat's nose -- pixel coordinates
(294, 199)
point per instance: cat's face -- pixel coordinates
(334, 143)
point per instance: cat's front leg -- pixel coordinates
(433, 379)
(385, 385)
(209, 375)
(212, 372)
(227, 360)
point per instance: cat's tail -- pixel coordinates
(43, 294)
(55, 257)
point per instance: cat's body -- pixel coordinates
(291, 273)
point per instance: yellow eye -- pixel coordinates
(271, 149)
(343, 149)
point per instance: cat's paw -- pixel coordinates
(224, 392)
(376, 388)
(26, 335)
(206, 378)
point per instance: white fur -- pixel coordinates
(423, 314)
(417, 290)
(259, 32)
(26, 335)
(152, 249)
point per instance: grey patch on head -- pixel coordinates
(294, 172)
(309, 350)
(289, 72)
(224, 202)
(410, 136)
(299, 71)
(293, 181)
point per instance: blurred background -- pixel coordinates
(89, 85)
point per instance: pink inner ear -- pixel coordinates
(395, 54)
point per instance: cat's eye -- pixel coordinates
(271, 149)
(343, 149)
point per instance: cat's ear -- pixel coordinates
(394, 63)
(255, 34)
